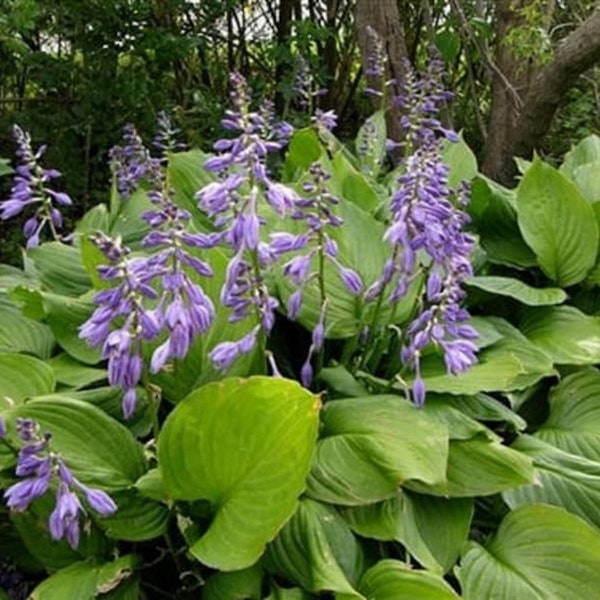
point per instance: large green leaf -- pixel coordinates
(245, 445)
(557, 223)
(434, 530)
(372, 445)
(304, 149)
(393, 580)
(86, 580)
(513, 363)
(21, 334)
(23, 376)
(562, 479)
(352, 185)
(100, 451)
(539, 553)
(573, 424)
(566, 335)
(493, 210)
(317, 550)
(60, 268)
(513, 288)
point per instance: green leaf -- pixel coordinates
(85, 580)
(187, 175)
(513, 288)
(372, 445)
(434, 530)
(100, 451)
(495, 217)
(573, 424)
(137, 518)
(562, 479)
(461, 160)
(95, 219)
(566, 335)
(393, 580)
(23, 376)
(303, 150)
(341, 382)
(480, 467)
(128, 222)
(65, 316)
(587, 180)
(557, 223)
(539, 552)
(244, 445)
(60, 268)
(317, 550)
(21, 334)
(71, 372)
(584, 152)
(352, 185)
(238, 585)
(512, 363)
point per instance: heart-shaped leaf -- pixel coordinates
(244, 445)
(539, 552)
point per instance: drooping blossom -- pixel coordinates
(123, 305)
(315, 246)
(184, 310)
(39, 465)
(131, 163)
(427, 237)
(235, 202)
(31, 189)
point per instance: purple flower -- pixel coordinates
(64, 519)
(325, 120)
(41, 464)
(30, 188)
(132, 162)
(427, 235)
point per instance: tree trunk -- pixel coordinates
(284, 28)
(509, 87)
(383, 16)
(577, 53)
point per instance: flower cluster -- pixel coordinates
(317, 212)
(122, 304)
(427, 236)
(31, 188)
(40, 466)
(421, 98)
(233, 203)
(132, 163)
(182, 310)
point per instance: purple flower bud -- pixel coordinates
(351, 280)
(418, 391)
(64, 519)
(306, 373)
(294, 304)
(224, 355)
(2, 427)
(99, 501)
